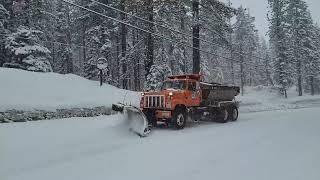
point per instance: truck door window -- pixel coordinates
(192, 86)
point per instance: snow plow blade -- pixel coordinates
(136, 119)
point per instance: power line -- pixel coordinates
(154, 23)
(174, 30)
(143, 30)
(158, 35)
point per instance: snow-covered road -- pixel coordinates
(281, 145)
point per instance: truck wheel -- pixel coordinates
(179, 119)
(223, 116)
(233, 113)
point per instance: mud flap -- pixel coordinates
(137, 121)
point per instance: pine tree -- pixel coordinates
(312, 61)
(158, 74)
(172, 14)
(149, 4)
(21, 15)
(64, 59)
(279, 41)
(26, 52)
(4, 14)
(301, 46)
(98, 36)
(245, 45)
(266, 61)
(37, 14)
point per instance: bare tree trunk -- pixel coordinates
(69, 40)
(136, 72)
(232, 68)
(183, 27)
(83, 31)
(296, 55)
(299, 78)
(196, 36)
(53, 56)
(312, 85)
(242, 77)
(123, 35)
(285, 93)
(172, 61)
(231, 49)
(116, 72)
(150, 46)
(268, 74)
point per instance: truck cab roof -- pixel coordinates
(196, 77)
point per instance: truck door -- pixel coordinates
(194, 96)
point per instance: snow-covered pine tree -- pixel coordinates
(215, 28)
(26, 52)
(37, 14)
(279, 42)
(267, 69)
(80, 24)
(100, 35)
(4, 14)
(8, 5)
(172, 14)
(63, 31)
(158, 74)
(44, 18)
(312, 61)
(245, 44)
(301, 46)
(135, 55)
(21, 13)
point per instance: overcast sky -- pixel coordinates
(258, 9)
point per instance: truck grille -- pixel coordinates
(154, 102)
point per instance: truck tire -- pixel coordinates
(179, 119)
(223, 116)
(233, 113)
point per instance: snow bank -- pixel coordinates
(263, 98)
(24, 90)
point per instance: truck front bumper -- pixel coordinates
(163, 115)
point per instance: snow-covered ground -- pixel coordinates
(277, 145)
(24, 90)
(261, 98)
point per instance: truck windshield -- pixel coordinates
(179, 84)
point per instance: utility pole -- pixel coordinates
(196, 36)
(231, 47)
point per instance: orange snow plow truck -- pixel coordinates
(182, 99)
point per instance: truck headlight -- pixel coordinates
(170, 93)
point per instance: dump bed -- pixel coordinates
(217, 92)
